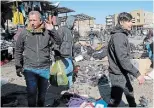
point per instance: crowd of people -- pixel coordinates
(42, 40)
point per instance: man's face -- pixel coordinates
(35, 21)
(127, 25)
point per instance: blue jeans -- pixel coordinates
(35, 83)
(149, 50)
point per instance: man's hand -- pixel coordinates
(48, 25)
(141, 79)
(19, 72)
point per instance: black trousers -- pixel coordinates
(123, 85)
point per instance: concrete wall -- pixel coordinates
(115, 18)
(148, 17)
(138, 16)
(84, 26)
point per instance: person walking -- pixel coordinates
(120, 66)
(32, 57)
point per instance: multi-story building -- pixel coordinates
(109, 21)
(148, 19)
(83, 23)
(82, 26)
(115, 19)
(98, 27)
(138, 19)
(141, 19)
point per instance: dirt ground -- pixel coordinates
(18, 84)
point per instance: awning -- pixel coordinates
(61, 10)
(83, 17)
(64, 10)
(79, 17)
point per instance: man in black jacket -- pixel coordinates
(32, 56)
(119, 62)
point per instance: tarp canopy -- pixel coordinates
(83, 17)
(64, 10)
(79, 17)
(61, 10)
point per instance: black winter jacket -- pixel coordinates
(65, 32)
(33, 49)
(119, 53)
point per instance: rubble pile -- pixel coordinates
(87, 52)
(91, 73)
(5, 44)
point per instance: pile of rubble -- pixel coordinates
(87, 53)
(5, 44)
(91, 73)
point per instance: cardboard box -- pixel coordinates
(142, 64)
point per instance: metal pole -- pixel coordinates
(78, 24)
(66, 18)
(7, 30)
(18, 13)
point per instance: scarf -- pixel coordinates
(41, 29)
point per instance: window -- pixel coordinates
(133, 20)
(138, 14)
(138, 20)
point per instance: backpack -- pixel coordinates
(67, 42)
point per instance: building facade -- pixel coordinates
(141, 19)
(83, 26)
(110, 21)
